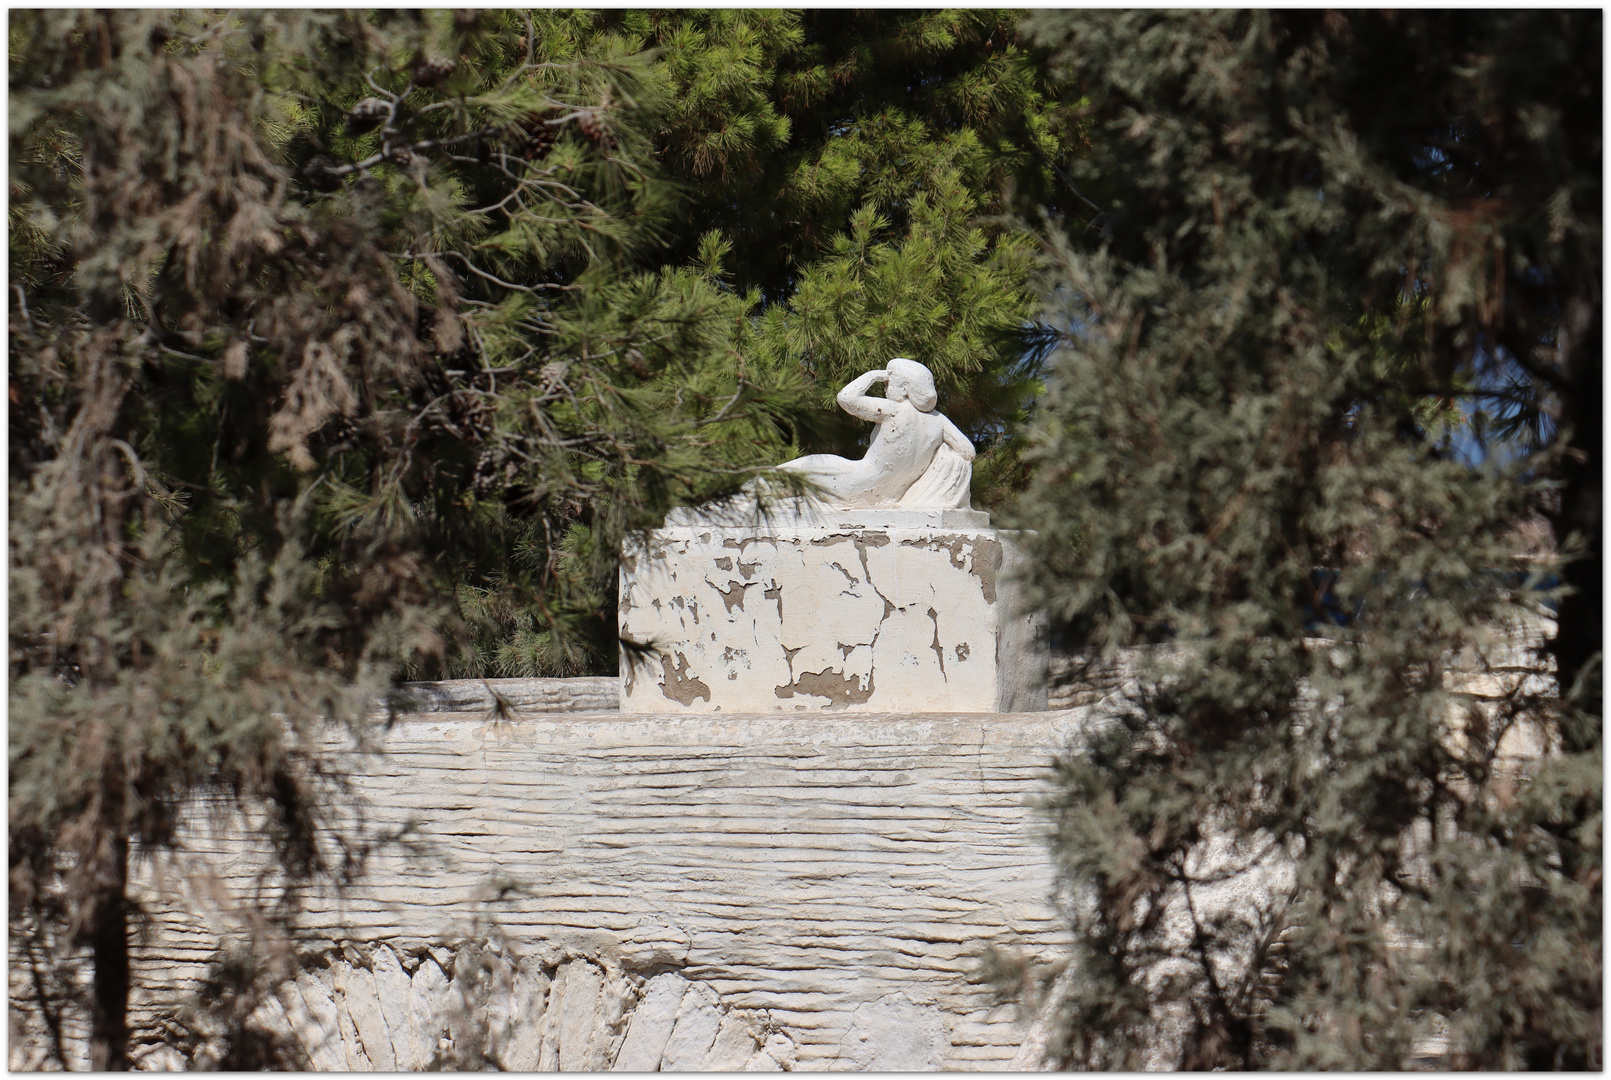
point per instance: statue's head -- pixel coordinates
(911, 381)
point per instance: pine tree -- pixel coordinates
(1317, 245)
(315, 318)
(857, 167)
(840, 185)
(906, 261)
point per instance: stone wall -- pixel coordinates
(596, 890)
(594, 694)
(673, 892)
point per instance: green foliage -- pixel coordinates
(846, 174)
(1304, 840)
(857, 165)
(317, 318)
(941, 292)
(848, 109)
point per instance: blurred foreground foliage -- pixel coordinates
(329, 332)
(1351, 803)
(346, 347)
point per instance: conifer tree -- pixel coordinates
(858, 166)
(894, 141)
(1318, 244)
(325, 327)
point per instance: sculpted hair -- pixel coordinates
(919, 382)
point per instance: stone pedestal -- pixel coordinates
(863, 611)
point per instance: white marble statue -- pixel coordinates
(918, 460)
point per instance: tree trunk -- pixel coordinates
(109, 954)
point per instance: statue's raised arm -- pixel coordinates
(918, 459)
(855, 400)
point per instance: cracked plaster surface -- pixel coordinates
(809, 618)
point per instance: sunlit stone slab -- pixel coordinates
(877, 611)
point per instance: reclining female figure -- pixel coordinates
(918, 458)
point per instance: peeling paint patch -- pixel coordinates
(847, 616)
(869, 540)
(836, 686)
(678, 685)
(740, 545)
(831, 539)
(987, 557)
(733, 597)
(939, 650)
(955, 546)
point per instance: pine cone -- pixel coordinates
(433, 71)
(367, 115)
(591, 125)
(466, 18)
(487, 467)
(342, 431)
(469, 410)
(317, 174)
(532, 137)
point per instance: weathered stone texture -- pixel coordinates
(602, 694)
(801, 617)
(693, 1032)
(651, 1024)
(694, 892)
(319, 1025)
(361, 996)
(716, 891)
(392, 986)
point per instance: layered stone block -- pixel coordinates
(866, 611)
